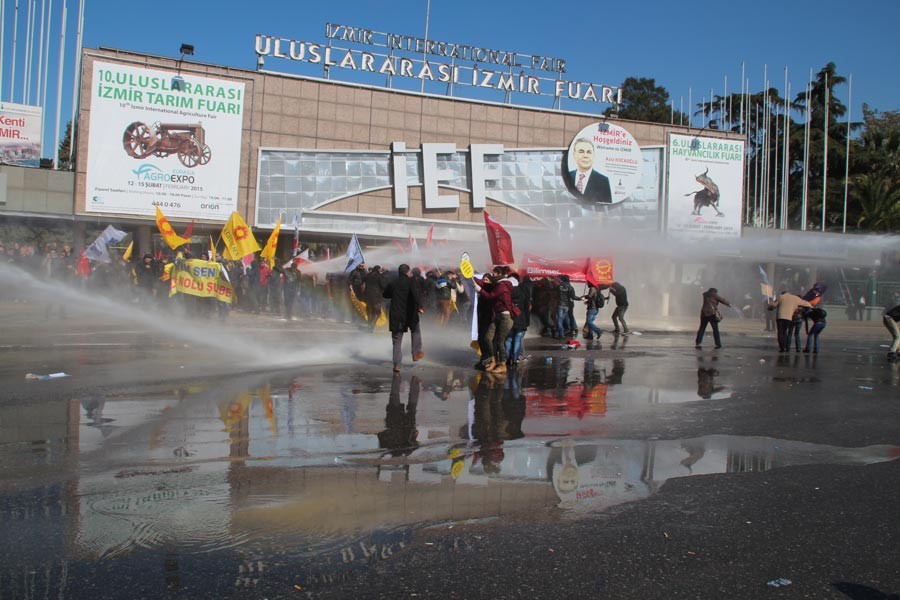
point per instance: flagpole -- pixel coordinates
(847, 158)
(27, 65)
(45, 76)
(805, 199)
(776, 203)
(62, 54)
(691, 110)
(40, 76)
(425, 45)
(2, 45)
(12, 78)
(743, 91)
(76, 80)
(825, 154)
(786, 154)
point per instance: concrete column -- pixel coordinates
(143, 238)
(78, 236)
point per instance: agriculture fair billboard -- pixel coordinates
(163, 138)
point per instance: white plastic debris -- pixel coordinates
(780, 582)
(59, 375)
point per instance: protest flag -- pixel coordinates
(98, 250)
(599, 272)
(354, 255)
(165, 230)
(429, 237)
(296, 225)
(499, 242)
(239, 240)
(272, 245)
(212, 249)
(127, 254)
(189, 231)
(300, 259)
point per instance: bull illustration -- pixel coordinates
(708, 196)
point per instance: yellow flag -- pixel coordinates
(212, 249)
(239, 240)
(165, 229)
(128, 251)
(272, 245)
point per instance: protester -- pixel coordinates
(817, 316)
(618, 316)
(785, 306)
(373, 294)
(406, 306)
(796, 327)
(890, 319)
(521, 297)
(709, 315)
(290, 287)
(565, 316)
(499, 294)
(594, 301)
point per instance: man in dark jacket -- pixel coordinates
(406, 306)
(618, 316)
(565, 315)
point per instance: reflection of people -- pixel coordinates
(400, 433)
(589, 183)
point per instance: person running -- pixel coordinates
(817, 316)
(406, 306)
(890, 319)
(709, 315)
(500, 296)
(618, 316)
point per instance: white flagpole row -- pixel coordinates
(2, 45)
(15, 43)
(76, 80)
(46, 75)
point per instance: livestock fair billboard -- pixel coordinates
(163, 138)
(20, 134)
(706, 183)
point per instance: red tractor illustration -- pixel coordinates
(162, 139)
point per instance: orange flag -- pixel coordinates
(269, 251)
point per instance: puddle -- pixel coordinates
(340, 469)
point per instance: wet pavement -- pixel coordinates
(187, 458)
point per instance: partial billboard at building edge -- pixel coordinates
(20, 134)
(705, 187)
(162, 138)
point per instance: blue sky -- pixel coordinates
(680, 44)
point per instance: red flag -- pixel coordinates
(189, 230)
(430, 235)
(498, 241)
(599, 271)
(399, 246)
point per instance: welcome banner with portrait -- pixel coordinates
(706, 182)
(604, 164)
(160, 138)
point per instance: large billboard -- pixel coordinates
(20, 134)
(706, 182)
(166, 139)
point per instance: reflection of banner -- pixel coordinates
(153, 137)
(706, 180)
(200, 278)
(20, 134)
(579, 270)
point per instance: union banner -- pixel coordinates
(201, 278)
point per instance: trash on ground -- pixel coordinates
(865, 387)
(780, 582)
(46, 377)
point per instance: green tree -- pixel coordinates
(643, 100)
(65, 149)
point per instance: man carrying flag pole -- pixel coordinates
(272, 245)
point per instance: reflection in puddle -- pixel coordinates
(342, 469)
